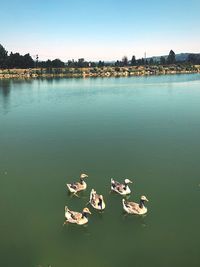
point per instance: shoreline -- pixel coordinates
(98, 72)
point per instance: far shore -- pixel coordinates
(109, 71)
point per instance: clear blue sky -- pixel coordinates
(103, 29)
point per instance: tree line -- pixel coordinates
(15, 60)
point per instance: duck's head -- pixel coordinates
(86, 210)
(127, 181)
(83, 175)
(143, 198)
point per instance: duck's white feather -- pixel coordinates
(133, 208)
(75, 217)
(121, 189)
(77, 186)
(97, 201)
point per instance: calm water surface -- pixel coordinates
(145, 129)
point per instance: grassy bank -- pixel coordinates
(98, 72)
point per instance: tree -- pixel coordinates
(162, 60)
(124, 61)
(57, 63)
(48, 64)
(142, 61)
(151, 61)
(117, 63)
(101, 64)
(133, 61)
(70, 63)
(194, 58)
(3, 56)
(171, 59)
(28, 62)
(15, 60)
(80, 62)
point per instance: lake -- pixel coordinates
(146, 129)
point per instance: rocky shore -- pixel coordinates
(109, 71)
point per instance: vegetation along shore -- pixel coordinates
(98, 72)
(15, 65)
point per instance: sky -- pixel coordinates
(99, 29)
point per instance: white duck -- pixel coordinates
(96, 200)
(135, 208)
(78, 186)
(79, 218)
(122, 189)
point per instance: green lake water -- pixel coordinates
(144, 128)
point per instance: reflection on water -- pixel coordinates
(5, 89)
(6, 86)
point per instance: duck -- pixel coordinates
(135, 208)
(122, 189)
(96, 200)
(79, 218)
(78, 186)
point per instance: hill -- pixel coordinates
(179, 57)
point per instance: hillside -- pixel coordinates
(179, 57)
